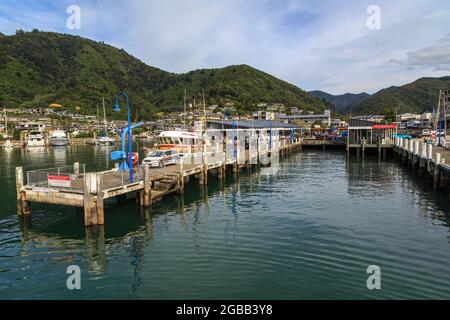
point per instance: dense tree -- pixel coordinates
(39, 68)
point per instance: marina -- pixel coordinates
(270, 228)
(74, 186)
(224, 156)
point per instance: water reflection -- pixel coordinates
(64, 235)
(243, 237)
(95, 249)
(368, 177)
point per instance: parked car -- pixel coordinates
(162, 158)
(426, 133)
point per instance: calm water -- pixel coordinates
(308, 232)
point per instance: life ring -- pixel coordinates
(134, 159)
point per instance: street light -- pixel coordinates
(130, 146)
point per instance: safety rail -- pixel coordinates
(59, 175)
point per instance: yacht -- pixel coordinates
(8, 144)
(35, 139)
(59, 138)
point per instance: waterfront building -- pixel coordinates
(364, 132)
(263, 115)
(324, 118)
(371, 118)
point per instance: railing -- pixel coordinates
(40, 178)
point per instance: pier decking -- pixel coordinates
(72, 186)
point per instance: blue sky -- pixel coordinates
(323, 45)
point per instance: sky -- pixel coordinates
(334, 46)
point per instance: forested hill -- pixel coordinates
(418, 96)
(40, 68)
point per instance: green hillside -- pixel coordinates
(418, 96)
(39, 68)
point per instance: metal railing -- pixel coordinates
(40, 178)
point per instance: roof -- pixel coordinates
(255, 124)
(384, 126)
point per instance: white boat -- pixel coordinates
(106, 141)
(35, 139)
(8, 144)
(59, 138)
(182, 141)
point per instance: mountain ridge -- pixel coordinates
(418, 96)
(343, 103)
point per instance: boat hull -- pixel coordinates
(60, 142)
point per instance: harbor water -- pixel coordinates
(307, 232)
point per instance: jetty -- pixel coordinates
(425, 158)
(75, 186)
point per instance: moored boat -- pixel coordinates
(59, 138)
(35, 139)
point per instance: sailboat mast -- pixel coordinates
(104, 117)
(98, 121)
(204, 110)
(6, 122)
(184, 111)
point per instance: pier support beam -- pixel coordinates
(93, 199)
(436, 170)
(23, 206)
(220, 172)
(76, 168)
(146, 194)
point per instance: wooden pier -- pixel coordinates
(73, 186)
(425, 159)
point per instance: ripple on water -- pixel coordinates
(310, 231)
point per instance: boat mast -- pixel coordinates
(204, 110)
(98, 122)
(6, 122)
(104, 117)
(184, 110)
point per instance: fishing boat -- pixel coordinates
(35, 139)
(59, 138)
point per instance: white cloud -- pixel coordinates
(313, 44)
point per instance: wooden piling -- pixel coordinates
(23, 206)
(93, 199)
(99, 200)
(90, 209)
(436, 170)
(147, 194)
(76, 168)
